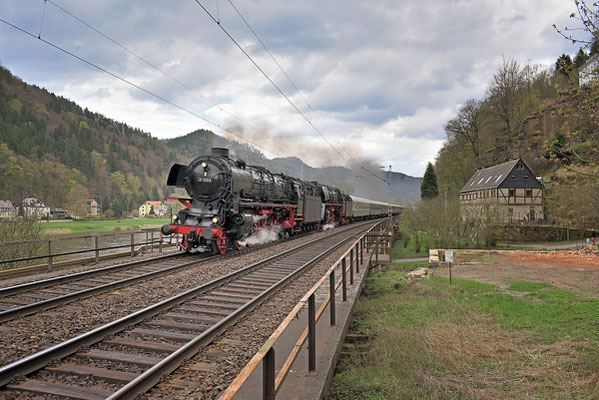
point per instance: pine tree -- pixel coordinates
(429, 189)
(580, 59)
(563, 65)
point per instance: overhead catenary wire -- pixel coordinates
(42, 21)
(219, 23)
(297, 89)
(55, 46)
(208, 100)
(151, 65)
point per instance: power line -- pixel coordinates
(217, 22)
(132, 84)
(295, 87)
(206, 99)
(151, 65)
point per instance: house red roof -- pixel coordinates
(6, 204)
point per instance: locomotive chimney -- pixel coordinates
(220, 151)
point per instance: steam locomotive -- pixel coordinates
(231, 202)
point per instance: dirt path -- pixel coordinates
(567, 270)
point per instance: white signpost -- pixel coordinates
(449, 260)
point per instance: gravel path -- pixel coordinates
(22, 337)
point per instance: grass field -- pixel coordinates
(99, 226)
(399, 251)
(472, 340)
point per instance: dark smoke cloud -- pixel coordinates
(316, 155)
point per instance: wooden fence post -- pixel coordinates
(50, 258)
(97, 250)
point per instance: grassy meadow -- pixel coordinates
(99, 226)
(401, 251)
(471, 340)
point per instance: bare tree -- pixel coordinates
(467, 125)
(19, 230)
(588, 16)
(505, 95)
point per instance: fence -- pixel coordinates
(376, 242)
(153, 238)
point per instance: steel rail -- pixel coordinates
(82, 294)
(40, 359)
(7, 291)
(242, 377)
(32, 308)
(152, 376)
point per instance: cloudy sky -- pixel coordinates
(381, 77)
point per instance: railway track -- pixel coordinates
(29, 298)
(128, 356)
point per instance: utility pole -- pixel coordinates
(445, 200)
(389, 204)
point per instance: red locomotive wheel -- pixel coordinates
(222, 245)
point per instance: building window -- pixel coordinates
(510, 211)
(525, 177)
(513, 177)
(512, 193)
(529, 192)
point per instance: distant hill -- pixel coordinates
(53, 149)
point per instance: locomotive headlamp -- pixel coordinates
(204, 164)
(215, 220)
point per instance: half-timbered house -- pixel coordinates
(511, 185)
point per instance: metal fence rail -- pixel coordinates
(151, 240)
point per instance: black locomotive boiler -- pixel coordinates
(231, 201)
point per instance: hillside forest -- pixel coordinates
(52, 149)
(542, 115)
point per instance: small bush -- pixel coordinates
(19, 230)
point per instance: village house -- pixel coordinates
(7, 211)
(589, 72)
(92, 208)
(159, 208)
(58, 213)
(34, 208)
(511, 185)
